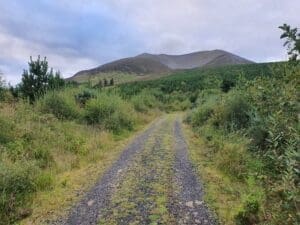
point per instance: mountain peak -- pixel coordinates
(147, 63)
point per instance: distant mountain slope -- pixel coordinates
(136, 65)
(197, 59)
(152, 64)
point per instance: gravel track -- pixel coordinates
(145, 164)
(188, 205)
(87, 210)
(134, 198)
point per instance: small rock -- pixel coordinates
(120, 170)
(190, 204)
(205, 221)
(197, 221)
(90, 203)
(195, 213)
(198, 202)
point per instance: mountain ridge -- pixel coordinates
(147, 63)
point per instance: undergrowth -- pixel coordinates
(253, 131)
(63, 132)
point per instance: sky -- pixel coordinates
(82, 34)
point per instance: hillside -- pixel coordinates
(160, 64)
(197, 59)
(136, 65)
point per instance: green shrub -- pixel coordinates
(201, 115)
(17, 183)
(249, 214)
(233, 159)
(234, 113)
(38, 79)
(83, 97)
(184, 105)
(111, 112)
(227, 84)
(60, 105)
(2, 89)
(259, 137)
(143, 101)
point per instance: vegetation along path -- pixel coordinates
(152, 183)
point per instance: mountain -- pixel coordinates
(197, 59)
(152, 64)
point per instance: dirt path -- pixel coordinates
(152, 183)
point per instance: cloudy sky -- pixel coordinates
(81, 34)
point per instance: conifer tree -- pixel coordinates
(105, 82)
(111, 82)
(2, 88)
(292, 42)
(37, 80)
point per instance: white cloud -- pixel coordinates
(248, 27)
(18, 50)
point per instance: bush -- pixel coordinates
(201, 115)
(234, 113)
(60, 105)
(233, 160)
(2, 88)
(249, 214)
(39, 79)
(83, 97)
(110, 112)
(184, 105)
(259, 137)
(227, 85)
(143, 101)
(17, 183)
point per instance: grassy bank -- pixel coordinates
(48, 149)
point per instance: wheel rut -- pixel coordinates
(188, 204)
(152, 182)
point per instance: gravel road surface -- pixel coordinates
(152, 182)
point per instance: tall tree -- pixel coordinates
(105, 82)
(111, 82)
(292, 42)
(38, 79)
(2, 84)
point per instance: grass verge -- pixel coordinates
(225, 194)
(71, 185)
